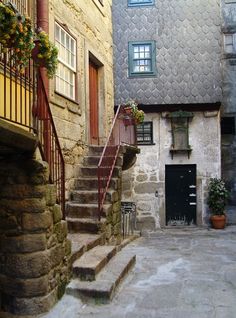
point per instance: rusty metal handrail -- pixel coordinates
(123, 131)
(49, 143)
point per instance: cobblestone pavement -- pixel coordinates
(179, 273)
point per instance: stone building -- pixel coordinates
(167, 57)
(229, 98)
(35, 252)
(81, 94)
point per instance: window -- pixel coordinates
(230, 43)
(145, 133)
(227, 126)
(133, 3)
(142, 58)
(66, 71)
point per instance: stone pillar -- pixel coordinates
(34, 249)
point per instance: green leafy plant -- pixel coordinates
(16, 33)
(137, 113)
(45, 53)
(217, 196)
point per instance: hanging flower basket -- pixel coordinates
(131, 108)
(16, 34)
(45, 53)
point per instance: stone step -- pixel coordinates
(83, 242)
(84, 225)
(103, 288)
(84, 196)
(95, 150)
(94, 160)
(90, 264)
(92, 171)
(81, 210)
(91, 183)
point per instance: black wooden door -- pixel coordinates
(180, 183)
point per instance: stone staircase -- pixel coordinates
(97, 268)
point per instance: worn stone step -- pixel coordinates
(84, 196)
(84, 225)
(83, 242)
(93, 171)
(95, 150)
(83, 210)
(91, 183)
(94, 160)
(90, 264)
(107, 281)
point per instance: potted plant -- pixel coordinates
(16, 33)
(217, 199)
(131, 107)
(45, 53)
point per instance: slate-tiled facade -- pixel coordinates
(188, 51)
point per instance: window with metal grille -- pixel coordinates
(66, 71)
(134, 3)
(142, 58)
(230, 43)
(145, 133)
(227, 126)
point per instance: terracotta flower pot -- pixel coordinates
(128, 109)
(218, 221)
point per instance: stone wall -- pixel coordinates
(148, 175)
(113, 220)
(34, 250)
(90, 24)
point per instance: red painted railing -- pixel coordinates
(123, 131)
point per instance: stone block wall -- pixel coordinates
(113, 226)
(90, 24)
(34, 249)
(144, 184)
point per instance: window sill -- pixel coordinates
(180, 150)
(141, 75)
(152, 144)
(67, 98)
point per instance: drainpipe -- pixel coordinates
(43, 23)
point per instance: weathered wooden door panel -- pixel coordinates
(93, 97)
(180, 182)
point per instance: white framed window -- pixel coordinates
(66, 71)
(230, 43)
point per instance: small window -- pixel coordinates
(145, 133)
(142, 58)
(134, 3)
(230, 43)
(66, 71)
(227, 126)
